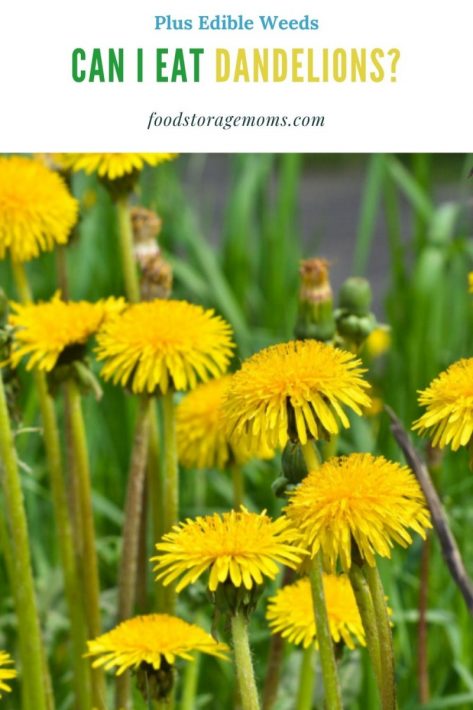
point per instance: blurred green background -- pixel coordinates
(235, 228)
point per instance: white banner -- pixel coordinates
(332, 76)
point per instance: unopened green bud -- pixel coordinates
(294, 466)
(355, 296)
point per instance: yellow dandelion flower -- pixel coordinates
(202, 441)
(360, 498)
(378, 342)
(36, 210)
(111, 165)
(152, 639)
(239, 547)
(470, 282)
(449, 407)
(56, 330)
(161, 344)
(290, 612)
(6, 673)
(377, 406)
(295, 390)
(201, 438)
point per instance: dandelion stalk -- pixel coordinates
(72, 584)
(366, 609)
(189, 684)
(306, 680)
(326, 650)
(31, 647)
(238, 485)
(131, 530)
(375, 585)
(132, 287)
(423, 669)
(89, 564)
(243, 662)
(171, 483)
(275, 657)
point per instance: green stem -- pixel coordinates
(330, 448)
(332, 692)
(72, 585)
(61, 268)
(61, 518)
(306, 680)
(21, 281)
(366, 609)
(171, 484)
(238, 486)
(31, 646)
(131, 532)
(130, 274)
(244, 665)
(89, 564)
(327, 655)
(190, 683)
(155, 489)
(275, 660)
(385, 637)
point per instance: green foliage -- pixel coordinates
(249, 273)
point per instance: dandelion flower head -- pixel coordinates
(45, 332)
(239, 547)
(378, 342)
(358, 498)
(448, 400)
(296, 390)
(201, 436)
(111, 165)
(161, 344)
(36, 209)
(290, 612)
(152, 639)
(6, 674)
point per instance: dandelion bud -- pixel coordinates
(315, 318)
(356, 296)
(354, 319)
(156, 273)
(293, 463)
